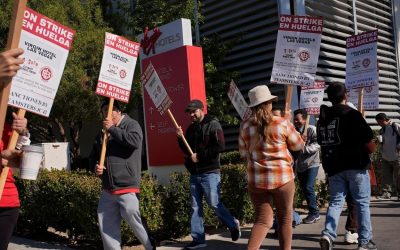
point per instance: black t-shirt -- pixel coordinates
(343, 134)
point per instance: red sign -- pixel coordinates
(181, 72)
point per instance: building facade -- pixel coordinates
(256, 22)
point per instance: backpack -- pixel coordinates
(394, 130)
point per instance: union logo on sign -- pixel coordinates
(315, 99)
(46, 73)
(366, 62)
(304, 55)
(122, 73)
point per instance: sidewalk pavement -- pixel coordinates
(385, 223)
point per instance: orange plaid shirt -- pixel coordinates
(269, 164)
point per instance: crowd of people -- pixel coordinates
(275, 149)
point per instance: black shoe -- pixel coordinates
(153, 243)
(326, 243)
(235, 232)
(196, 245)
(310, 219)
(369, 246)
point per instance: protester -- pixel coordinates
(307, 164)
(10, 64)
(296, 220)
(265, 140)
(9, 202)
(390, 146)
(277, 111)
(206, 139)
(346, 141)
(120, 179)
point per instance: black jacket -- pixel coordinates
(343, 134)
(123, 155)
(207, 140)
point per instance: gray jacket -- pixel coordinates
(123, 155)
(310, 155)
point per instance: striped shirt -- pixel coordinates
(269, 162)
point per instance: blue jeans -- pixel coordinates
(307, 181)
(207, 184)
(358, 184)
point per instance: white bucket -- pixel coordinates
(32, 157)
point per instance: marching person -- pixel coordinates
(346, 142)
(265, 141)
(390, 134)
(307, 164)
(9, 202)
(120, 179)
(206, 139)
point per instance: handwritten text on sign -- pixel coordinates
(117, 67)
(46, 44)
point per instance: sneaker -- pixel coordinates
(310, 219)
(326, 243)
(153, 243)
(369, 246)
(195, 245)
(235, 232)
(384, 196)
(351, 238)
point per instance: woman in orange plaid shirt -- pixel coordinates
(265, 141)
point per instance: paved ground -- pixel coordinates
(385, 222)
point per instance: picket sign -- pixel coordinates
(159, 96)
(116, 75)
(12, 43)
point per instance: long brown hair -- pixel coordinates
(262, 117)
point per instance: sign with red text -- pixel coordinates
(370, 97)
(238, 101)
(46, 44)
(311, 97)
(165, 38)
(154, 87)
(362, 60)
(117, 67)
(297, 50)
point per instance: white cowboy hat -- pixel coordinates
(260, 94)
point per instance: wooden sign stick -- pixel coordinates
(360, 101)
(288, 98)
(105, 135)
(12, 43)
(177, 126)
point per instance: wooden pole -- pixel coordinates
(360, 101)
(105, 135)
(307, 123)
(177, 126)
(288, 98)
(11, 145)
(12, 43)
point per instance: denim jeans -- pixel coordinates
(358, 184)
(208, 185)
(307, 181)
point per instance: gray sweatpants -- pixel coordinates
(111, 209)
